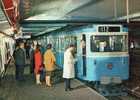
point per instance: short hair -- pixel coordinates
(20, 43)
(38, 46)
(71, 45)
(49, 46)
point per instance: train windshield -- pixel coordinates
(109, 43)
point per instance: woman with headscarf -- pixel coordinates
(49, 61)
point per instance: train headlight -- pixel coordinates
(116, 80)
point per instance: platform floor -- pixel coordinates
(10, 89)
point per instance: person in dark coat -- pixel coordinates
(20, 61)
(31, 54)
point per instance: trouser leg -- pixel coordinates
(16, 73)
(67, 84)
(20, 73)
(32, 67)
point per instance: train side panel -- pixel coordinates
(98, 67)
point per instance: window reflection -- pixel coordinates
(105, 43)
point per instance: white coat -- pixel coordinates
(68, 68)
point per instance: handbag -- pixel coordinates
(42, 68)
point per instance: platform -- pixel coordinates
(10, 89)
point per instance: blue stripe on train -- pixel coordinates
(59, 59)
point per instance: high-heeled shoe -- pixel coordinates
(39, 83)
(50, 85)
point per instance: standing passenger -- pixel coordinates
(68, 68)
(31, 54)
(20, 61)
(49, 61)
(38, 64)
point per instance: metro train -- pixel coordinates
(101, 51)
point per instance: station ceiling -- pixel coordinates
(78, 9)
(91, 10)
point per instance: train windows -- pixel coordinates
(44, 41)
(67, 41)
(54, 44)
(105, 43)
(62, 43)
(57, 44)
(73, 40)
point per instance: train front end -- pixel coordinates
(107, 60)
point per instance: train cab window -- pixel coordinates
(105, 43)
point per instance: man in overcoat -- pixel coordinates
(68, 68)
(20, 61)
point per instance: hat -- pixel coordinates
(71, 45)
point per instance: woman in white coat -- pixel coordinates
(68, 68)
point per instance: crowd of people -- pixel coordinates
(40, 60)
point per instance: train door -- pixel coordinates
(73, 40)
(82, 55)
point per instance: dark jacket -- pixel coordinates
(31, 54)
(20, 57)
